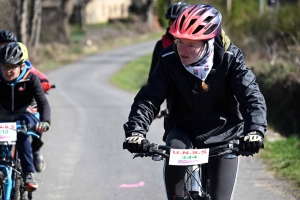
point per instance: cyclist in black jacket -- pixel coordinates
(212, 95)
(18, 86)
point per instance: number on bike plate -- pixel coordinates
(188, 156)
(8, 132)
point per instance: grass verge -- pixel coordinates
(134, 75)
(282, 157)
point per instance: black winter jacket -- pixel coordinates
(232, 106)
(166, 40)
(19, 95)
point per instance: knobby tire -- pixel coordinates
(17, 178)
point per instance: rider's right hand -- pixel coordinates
(136, 143)
(41, 127)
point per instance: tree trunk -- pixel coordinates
(35, 23)
(149, 13)
(66, 10)
(82, 17)
(83, 4)
(20, 6)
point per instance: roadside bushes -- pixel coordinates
(280, 86)
(271, 44)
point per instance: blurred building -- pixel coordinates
(96, 11)
(102, 10)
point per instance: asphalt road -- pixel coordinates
(83, 149)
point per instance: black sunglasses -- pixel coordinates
(9, 67)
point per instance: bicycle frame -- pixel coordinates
(9, 165)
(196, 182)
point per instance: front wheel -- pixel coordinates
(17, 179)
(16, 195)
(29, 195)
(2, 189)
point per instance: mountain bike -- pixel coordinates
(11, 181)
(196, 186)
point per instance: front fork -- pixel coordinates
(8, 181)
(197, 183)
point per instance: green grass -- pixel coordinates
(283, 157)
(134, 75)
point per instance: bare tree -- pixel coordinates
(7, 16)
(35, 21)
(82, 5)
(65, 12)
(27, 21)
(149, 13)
(20, 8)
(144, 8)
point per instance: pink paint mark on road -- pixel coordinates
(124, 185)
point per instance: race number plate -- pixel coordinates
(8, 132)
(188, 156)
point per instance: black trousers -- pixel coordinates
(222, 172)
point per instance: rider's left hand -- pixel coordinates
(252, 142)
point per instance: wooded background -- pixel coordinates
(267, 31)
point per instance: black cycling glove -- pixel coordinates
(252, 142)
(136, 143)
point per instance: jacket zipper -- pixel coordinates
(13, 95)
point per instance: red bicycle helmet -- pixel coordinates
(199, 22)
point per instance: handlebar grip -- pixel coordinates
(53, 86)
(124, 145)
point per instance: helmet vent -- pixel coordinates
(208, 19)
(181, 22)
(197, 29)
(200, 12)
(192, 9)
(191, 23)
(211, 29)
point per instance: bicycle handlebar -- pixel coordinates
(27, 129)
(216, 151)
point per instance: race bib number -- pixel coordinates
(188, 156)
(8, 132)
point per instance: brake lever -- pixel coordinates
(143, 154)
(161, 153)
(245, 153)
